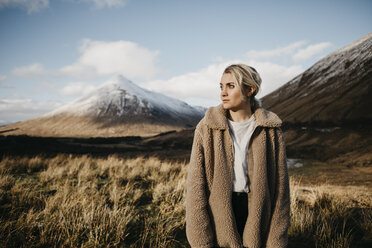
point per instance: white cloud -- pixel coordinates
(99, 4)
(310, 51)
(30, 5)
(275, 75)
(77, 89)
(202, 83)
(202, 87)
(280, 51)
(100, 58)
(19, 109)
(29, 71)
(296, 51)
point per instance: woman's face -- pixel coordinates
(230, 93)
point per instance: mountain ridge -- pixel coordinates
(116, 108)
(335, 89)
(120, 97)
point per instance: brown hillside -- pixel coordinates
(337, 89)
(82, 126)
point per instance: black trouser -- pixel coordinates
(240, 207)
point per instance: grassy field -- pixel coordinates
(81, 201)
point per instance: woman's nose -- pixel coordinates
(223, 92)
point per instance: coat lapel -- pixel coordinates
(216, 118)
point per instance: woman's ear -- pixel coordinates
(251, 91)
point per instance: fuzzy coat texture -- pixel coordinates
(210, 220)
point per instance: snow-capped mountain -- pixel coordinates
(116, 108)
(338, 88)
(121, 100)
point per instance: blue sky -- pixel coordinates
(54, 51)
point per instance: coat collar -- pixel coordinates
(216, 118)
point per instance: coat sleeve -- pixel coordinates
(278, 233)
(198, 225)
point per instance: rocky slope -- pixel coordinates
(326, 109)
(337, 89)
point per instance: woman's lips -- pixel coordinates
(225, 100)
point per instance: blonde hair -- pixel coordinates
(245, 77)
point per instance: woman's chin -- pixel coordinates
(226, 106)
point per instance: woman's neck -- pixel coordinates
(241, 114)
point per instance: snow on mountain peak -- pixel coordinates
(355, 43)
(335, 89)
(119, 96)
(337, 60)
(119, 82)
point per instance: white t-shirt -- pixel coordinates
(241, 132)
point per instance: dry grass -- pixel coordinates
(80, 201)
(86, 202)
(330, 216)
(332, 173)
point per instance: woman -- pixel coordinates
(237, 186)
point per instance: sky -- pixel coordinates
(54, 51)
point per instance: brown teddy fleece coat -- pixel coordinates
(210, 220)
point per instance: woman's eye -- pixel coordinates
(231, 86)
